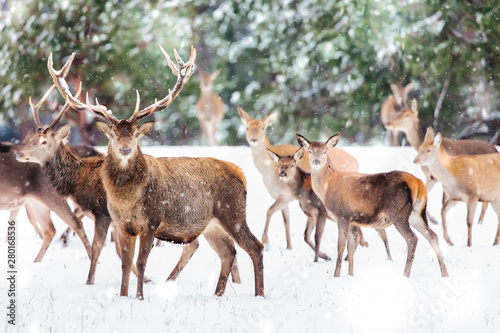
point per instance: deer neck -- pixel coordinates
(415, 135)
(297, 182)
(261, 157)
(323, 177)
(121, 179)
(63, 170)
(440, 169)
(206, 93)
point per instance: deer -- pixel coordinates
(467, 178)
(391, 108)
(279, 191)
(25, 184)
(77, 178)
(378, 201)
(299, 182)
(408, 122)
(209, 108)
(172, 199)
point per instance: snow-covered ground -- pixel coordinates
(300, 296)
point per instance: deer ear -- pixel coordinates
(243, 115)
(332, 141)
(273, 156)
(298, 154)
(103, 127)
(214, 75)
(146, 127)
(414, 106)
(408, 88)
(438, 139)
(303, 142)
(63, 132)
(429, 135)
(270, 118)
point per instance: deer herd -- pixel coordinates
(178, 199)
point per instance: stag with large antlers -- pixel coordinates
(172, 199)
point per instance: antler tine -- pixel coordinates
(183, 73)
(65, 108)
(59, 80)
(37, 106)
(137, 104)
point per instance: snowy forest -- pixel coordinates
(324, 66)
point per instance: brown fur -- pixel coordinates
(175, 199)
(409, 123)
(391, 108)
(468, 178)
(376, 201)
(259, 145)
(209, 108)
(24, 181)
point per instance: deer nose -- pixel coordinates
(282, 174)
(125, 151)
(316, 162)
(253, 140)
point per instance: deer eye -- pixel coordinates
(428, 150)
(44, 142)
(136, 135)
(325, 152)
(310, 151)
(291, 166)
(111, 135)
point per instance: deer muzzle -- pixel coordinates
(125, 151)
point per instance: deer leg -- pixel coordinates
(203, 132)
(242, 235)
(418, 223)
(224, 246)
(211, 126)
(383, 236)
(483, 213)
(351, 247)
(411, 241)
(115, 235)
(48, 230)
(343, 227)
(471, 210)
(320, 228)
(187, 252)
(496, 208)
(146, 244)
(276, 206)
(286, 219)
(447, 205)
(127, 243)
(362, 240)
(100, 232)
(31, 213)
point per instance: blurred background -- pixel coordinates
(323, 65)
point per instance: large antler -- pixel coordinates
(183, 71)
(36, 107)
(59, 78)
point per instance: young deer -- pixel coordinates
(357, 200)
(279, 191)
(209, 108)
(172, 199)
(391, 108)
(299, 183)
(25, 184)
(409, 123)
(467, 178)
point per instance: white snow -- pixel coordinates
(301, 296)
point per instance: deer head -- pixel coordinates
(124, 134)
(318, 151)
(46, 140)
(207, 81)
(256, 128)
(405, 120)
(287, 165)
(429, 151)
